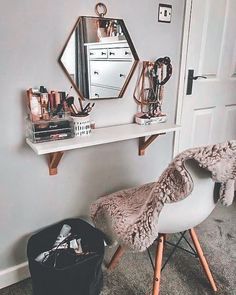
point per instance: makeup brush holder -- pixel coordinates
(82, 125)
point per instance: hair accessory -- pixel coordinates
(149, 91)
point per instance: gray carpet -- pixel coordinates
(183, 275)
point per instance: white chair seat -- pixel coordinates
(194, 209)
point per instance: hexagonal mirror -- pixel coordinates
(99, 57)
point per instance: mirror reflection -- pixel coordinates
(99, 57)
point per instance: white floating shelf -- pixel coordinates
(102, 136)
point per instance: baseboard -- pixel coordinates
(14, 274)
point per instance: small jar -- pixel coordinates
(82, 125)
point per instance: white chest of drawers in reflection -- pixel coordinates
(109, 65)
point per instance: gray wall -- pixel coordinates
(32, 34)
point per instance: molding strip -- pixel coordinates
(14, 274)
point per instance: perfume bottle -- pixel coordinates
(44, 103)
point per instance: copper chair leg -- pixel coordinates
(202, 259)
(116, 258)
(158, 265)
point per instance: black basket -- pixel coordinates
(81, 278)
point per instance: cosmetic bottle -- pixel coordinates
(35, 108)
(34, 105)
(63, 102)
(57, 98)
(44, 103)
(51, 104)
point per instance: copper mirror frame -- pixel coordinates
(91, 72)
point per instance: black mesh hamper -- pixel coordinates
(83, 278)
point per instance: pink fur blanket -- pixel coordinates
(131, 215)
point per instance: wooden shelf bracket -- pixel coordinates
(143, 144)
(54, 160)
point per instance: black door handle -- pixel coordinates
(197, 77)
(191, 77)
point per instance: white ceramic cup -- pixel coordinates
(82, 125)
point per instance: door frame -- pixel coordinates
(182, 71)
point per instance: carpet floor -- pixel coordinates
(183, 275)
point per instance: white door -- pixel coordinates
(208, 114)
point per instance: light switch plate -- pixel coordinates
(164, 13)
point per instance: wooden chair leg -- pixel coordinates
(158, 265)
(116, 258)
(202, 259)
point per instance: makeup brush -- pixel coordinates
(70, 103)
(85, 108)
(58, 109)
(68, 93)
(80, 104)
(89, 109)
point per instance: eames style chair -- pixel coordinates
(183, 197)
(180, 217)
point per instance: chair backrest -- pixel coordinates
(195, 208)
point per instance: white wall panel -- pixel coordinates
(202, 126)
(212, 36)
(230, 122)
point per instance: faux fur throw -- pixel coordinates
(131, 215)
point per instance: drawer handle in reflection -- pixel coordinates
(112, 53)
(96, 73)
(91, 53)
(127, 53)
(97, 95)
(122, 75)
(103, 53)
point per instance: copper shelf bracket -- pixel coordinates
(143, 144)
(54, 160)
